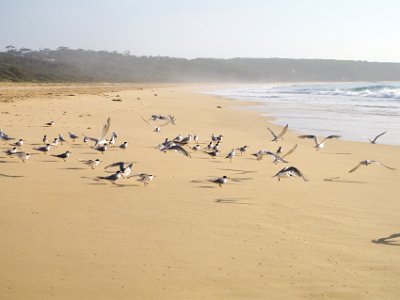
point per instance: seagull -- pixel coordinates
(5, 137)
(279, 136)
(146, 178)
(287, 172)
(220, 181)
(196, 148)
(124, 145)
(49, 124)
(369, 162)
(55, 142)
(213, 153)
(44, 149)
(231, 155)
(91, 162)
(45, 139)
(215, 138)
(318, 144)
(101, 139)
(196, 138)
(73, 136)
(113, 178)
(24, 156)
(101, 148)
(64, 155)
(378, 136)
(124, 167)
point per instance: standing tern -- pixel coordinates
(220, 181)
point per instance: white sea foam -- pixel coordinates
(354, 110)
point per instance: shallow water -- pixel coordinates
(357, 111)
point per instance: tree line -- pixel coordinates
(80, 65)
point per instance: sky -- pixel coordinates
(328, 29)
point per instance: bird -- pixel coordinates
(124, 145)
(216, 138)
(260, 154)
(5, 137)
(280, 158)
(101, 148)
(196, 148)
(368, 162)
(280, 135)
(73, 136)
(64, 155)
(156, 128)
(231, 155)
(279, 150)
(24, 156)
(61, 139)
(49, 124)
(196, 138)
(113, 178)
(176, 148)
(45, 139)
(146, 178)
(220, 181)
(213, 153)
(124, 167)
(101, 139)
(11, 152)
(287, 172)
(44, 149)
(243, 149)
(373, 141)
(19, 143)
(113, 139)
(318, 144)
(55, 142)
(185, 140)
(93, 163)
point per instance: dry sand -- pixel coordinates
(66, 236)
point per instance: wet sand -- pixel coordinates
(65, 235)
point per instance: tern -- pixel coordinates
(369, 162)
(45, 139)
(73, 136)
(124, 145)
(196, 148)
(11, 152)
(260, 154)
(113, 178)
(5, 137)
(24, 156)
(125, 168)
(19, 143)
(280, 135)
(280, 158)
(93, 163)
(290, 172)
(63, 156)
(213, 153)
(61, 139)
(49, 124)
(146, 178)
(101, 148)
(231, 155)
(220, 181)
(101, 139)
(44, 149)
(373, 141)
(176, 148)
(318, 144)
(243, 149)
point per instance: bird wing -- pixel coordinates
(106, 128)
(180, 150)
(379, 135)
(273, 133)
(283, 131)
(290, 151)
(119, 164)
(379, 163)
(333, 136)
(298, 173)
(356, 167)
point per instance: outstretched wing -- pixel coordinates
(273, 133)
(356, 167)
(331, 137)
(283, 131)
(179, 149)
(119, 164)
(106, 128)
(378, 136)
(297, 172)
(390, 168)
(290, 151)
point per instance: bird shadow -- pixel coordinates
(388, 240)
(206, 187)
(337, 179)
(233, 201)
(239, 171)
(11, 176)
(74, 168)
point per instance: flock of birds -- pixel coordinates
(180, 144)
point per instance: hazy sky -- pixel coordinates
(339, 29)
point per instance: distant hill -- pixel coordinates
(67, 65)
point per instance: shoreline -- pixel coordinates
(65, 235)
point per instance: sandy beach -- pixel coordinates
(65, 235)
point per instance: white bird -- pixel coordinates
(280, 158)
(220, 181)
(176, 148)
(19, 143)
(101, 140)
(368, 162)
(318, 144)
(196, 148)
(44, 149)
(278, 137)
(49, 124)
(11, 152)
(290, 172)
(61, 138)
(124, 145)
(373, 141)
(93, 163)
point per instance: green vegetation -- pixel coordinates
(67, 65)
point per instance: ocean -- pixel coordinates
(357, 111)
